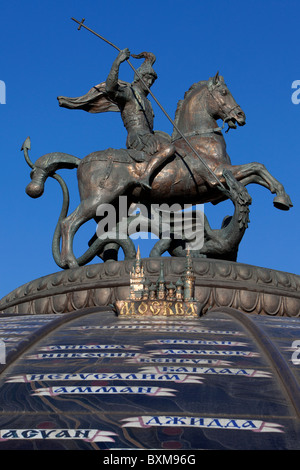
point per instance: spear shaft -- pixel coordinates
(81, 25)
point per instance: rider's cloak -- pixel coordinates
(96, 100)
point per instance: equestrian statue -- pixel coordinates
(191, 166)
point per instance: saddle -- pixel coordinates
(117, 155)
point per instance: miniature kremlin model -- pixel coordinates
(160, 298)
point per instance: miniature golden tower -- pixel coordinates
(189, 279)
(137, 278)
(161, 287)
(179, 286)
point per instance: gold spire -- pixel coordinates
(189, 278)
(137, 279)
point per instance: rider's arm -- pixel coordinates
(112, 86)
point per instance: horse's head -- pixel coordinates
(223, 104)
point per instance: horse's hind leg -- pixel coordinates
(258, 174)
(69, 226)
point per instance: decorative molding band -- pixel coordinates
(251, 289)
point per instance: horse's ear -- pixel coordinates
(216, 78)
(213, 81)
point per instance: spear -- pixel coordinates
(81, 25)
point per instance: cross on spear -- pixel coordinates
(81, 25)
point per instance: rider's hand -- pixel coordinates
(124, 55)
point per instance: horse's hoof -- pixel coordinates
(67, 263)
(283, 203)
(73, 264)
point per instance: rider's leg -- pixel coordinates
(157, 160)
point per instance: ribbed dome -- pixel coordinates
(92, 380)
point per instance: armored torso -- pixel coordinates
(137, 113)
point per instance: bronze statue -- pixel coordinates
(190, 167)
(105, 175)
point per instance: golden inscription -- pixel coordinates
(157, 308)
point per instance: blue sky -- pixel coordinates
(254, 45)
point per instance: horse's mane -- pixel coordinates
(180, 103)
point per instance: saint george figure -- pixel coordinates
(143, 144)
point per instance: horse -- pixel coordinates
(103, 176)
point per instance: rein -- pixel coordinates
(207, 131)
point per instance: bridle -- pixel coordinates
(211, 92)
(212, 130)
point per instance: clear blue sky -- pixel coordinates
(254, 45)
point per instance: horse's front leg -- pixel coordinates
(258, 174)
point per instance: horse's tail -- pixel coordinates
(46, 166)
(43, 167)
